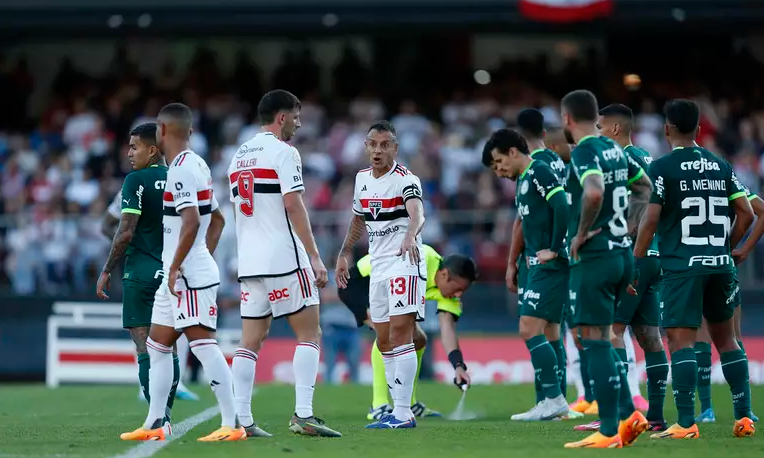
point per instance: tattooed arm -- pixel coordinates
(641, 189)
(121, 240)
(342, 269)
(591, 203)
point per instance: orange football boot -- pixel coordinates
(224, 434)
(632, 427)
(597, 440)
(677, 432)
(143, 434)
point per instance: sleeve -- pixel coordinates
(659, 188)
(635, 170)
(561, 212)
(735, 188)
(289, 170)
(233, 183)
(546, 182)
(132, 193)
(450, 305)
(184, 192)
(585, 163)
(357, 207)
(411, 187)
(214, 205)
(115, 207)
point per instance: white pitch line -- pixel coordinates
(150, 448)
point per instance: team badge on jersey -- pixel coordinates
(374, 207)
(524, 187)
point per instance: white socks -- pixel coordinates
(216, 369)
(389, 359)
(243, 369)
(160, 382)
(305, 366)
(631, 358)
(574, 364)
(405, 373)
(182, 345)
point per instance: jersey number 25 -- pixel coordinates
(244, 184)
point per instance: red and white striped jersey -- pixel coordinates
(382, 204)
(189, 184)
(262, 171)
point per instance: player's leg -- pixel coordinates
(553, 332)
(631, 372)
(182, 348)
(739, 337)
(721, 298)
(162, 336)
(420, 344)
(703, 356)
(681, 316)
(543, 300)
(379, 313)
(255, 323)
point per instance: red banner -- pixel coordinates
(562, 11)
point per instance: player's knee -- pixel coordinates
(531, 327)
(253, 341)
(401, 330)
(552, 331)
(649, 338)
(680, 338)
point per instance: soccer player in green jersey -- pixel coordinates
(139, 239)
(690, 211)
(601, 260)
(543, 208)
(531, 126)
(641, 310)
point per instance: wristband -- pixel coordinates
(456, 359)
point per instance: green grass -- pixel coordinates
(85, 422)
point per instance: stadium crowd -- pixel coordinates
(60, 168)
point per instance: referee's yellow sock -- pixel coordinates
(380, 391)
(419, 354)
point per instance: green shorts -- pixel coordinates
(644, 308)
(137, 303)
(737, 300)
(686, 300)
(599, 284)
(522, 279)
(546, 294)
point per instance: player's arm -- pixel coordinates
(652, 216)
(515, 248)
(738, 193)
(215, 230)
(449, 339)
(589, 174)
(298, 216)
(187, 206)
(742, 253)
(412, 200)
(131, 206)
(554, 194)
(641, 188)
(353, 235)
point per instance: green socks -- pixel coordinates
(606, 379)
(562, 365)
(703, 356)
(657, 369)
(586, 380)
(735, 369)
(684, 374)
(143, 377)
(625, 403)
(545, 365)
(740, 344)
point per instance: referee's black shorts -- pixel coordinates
(356, 295)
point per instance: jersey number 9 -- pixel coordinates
(244, 184)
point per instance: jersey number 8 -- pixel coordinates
(244, 184)
(617, 224)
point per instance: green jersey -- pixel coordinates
(553, 161)
(601, 156)
(694, 187)
(539, 193)
(142, 195)
(644, 159)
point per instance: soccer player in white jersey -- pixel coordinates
(279, 264)
(186, 300)
(388, 202)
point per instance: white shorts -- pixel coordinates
(278, 296)
(399, 295)
(194, 307)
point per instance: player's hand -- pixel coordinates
(739, 255)
(511, 277)
(342, 272)
(579, 241)
(408, 247)
(546, 256)
(461, 378)
(632, 288)
(319, 270)
(103, 285)
(172, 278)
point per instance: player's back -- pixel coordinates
(695, 188)
(554, 161)
(189, 184)
(601, 156)
(148, 237)
(262, 171)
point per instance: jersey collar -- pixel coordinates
(586, 138)
(389, 172)
(537, 151)
(522, 175)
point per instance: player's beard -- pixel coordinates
(569, 136)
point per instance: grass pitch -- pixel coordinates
(85, 422)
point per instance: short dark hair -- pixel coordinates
(383, 126)
(581, 105)
(179, 113)
(502, 140)
(621, 111)
(147, 132)
(531, 123)
(275, 101)
(683, 114)
(461, 266)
